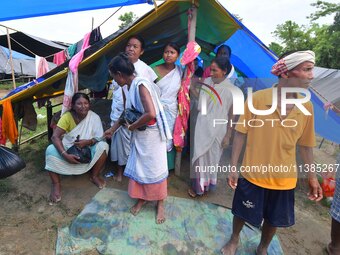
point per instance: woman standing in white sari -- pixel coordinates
(79, 121)
(169, 83)
(210, 139)
(147, 163)
(120, 141)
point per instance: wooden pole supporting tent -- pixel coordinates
(10, 57)
(192, 20)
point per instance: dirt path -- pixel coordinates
(3, 92)
(28, 224)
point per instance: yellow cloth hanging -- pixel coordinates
(9, 127)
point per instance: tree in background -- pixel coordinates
(324, 40)
(293, 36)
(127, 19)
(276, 48)
(325, 9)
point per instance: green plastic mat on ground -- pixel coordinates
(191, 227)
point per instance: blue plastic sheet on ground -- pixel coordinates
(192, 227)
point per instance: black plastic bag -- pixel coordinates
(83, 154)
(129, 116)
(10, 162)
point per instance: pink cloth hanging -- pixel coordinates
(75, 61)
(41, 66)
(59, 58)
(71, 86)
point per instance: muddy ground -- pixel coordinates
(28, 224)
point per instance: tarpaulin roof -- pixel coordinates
(215, 26)
(22, 64)
(20, 9)
(28, 44)
(15, 54)
(167, 23)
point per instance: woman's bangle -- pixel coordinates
(63, 153)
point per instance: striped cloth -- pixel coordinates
(57, 164)
(291, 61)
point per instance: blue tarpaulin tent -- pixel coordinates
(169, 23)
(255, 60)
(20, 9)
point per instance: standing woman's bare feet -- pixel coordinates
(119, 177)
(160, 218)
(137, 207)
(230, 247)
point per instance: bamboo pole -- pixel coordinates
(192, 20)
(11, 58)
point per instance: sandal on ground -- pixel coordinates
(192, 193)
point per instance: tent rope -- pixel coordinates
(110, 16)
(61, 50)
(23, 46)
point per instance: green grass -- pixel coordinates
(35, 148)
(42, 123)
(9, 85)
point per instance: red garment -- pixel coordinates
(206, 73)
(181, 123)
(152, 122)
(9, 127)
(148, 192)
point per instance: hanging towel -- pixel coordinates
(59, 57)
(96, 36)
(25, 110)
(9, 127)
(41, 66)
(70, 90)
(75, 61)
(71, 86)
(71, 50)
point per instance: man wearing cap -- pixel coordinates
(263, 196)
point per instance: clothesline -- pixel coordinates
(21, 44)
(51, 55)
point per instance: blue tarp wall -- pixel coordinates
(255, 60)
